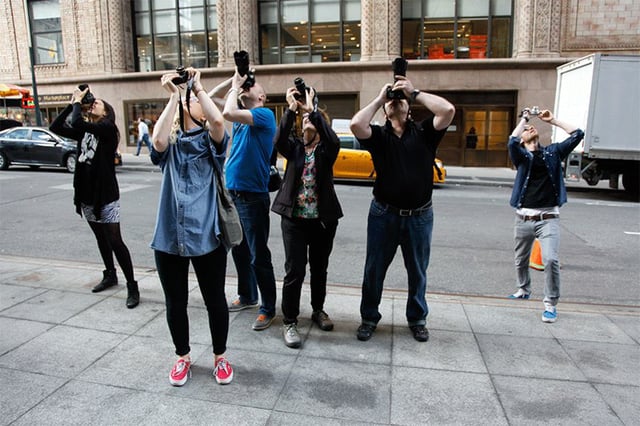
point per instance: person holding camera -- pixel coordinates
(188, 138)
(309, 207)
(538, 193)
(96, 192)
(403, 154)
(247, 178)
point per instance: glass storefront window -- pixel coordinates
(46, 31)
(296, 31)
(167, 36)
(444, 29)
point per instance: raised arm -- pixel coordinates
(162, 129)
(232, 112)
(209, 109)
(360, 122)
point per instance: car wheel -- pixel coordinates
(70, 163)
(4, 163)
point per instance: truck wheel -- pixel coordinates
(631, 181)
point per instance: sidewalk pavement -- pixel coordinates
(69, 356)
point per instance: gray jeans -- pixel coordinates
(548, 233)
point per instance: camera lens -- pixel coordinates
(300, 87)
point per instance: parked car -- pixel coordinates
(354, 162)
(36, 147)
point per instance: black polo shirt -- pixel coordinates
(404, 165)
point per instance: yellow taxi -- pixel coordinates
(354, 162)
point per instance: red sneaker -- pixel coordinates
(180, 372)
(223, 372)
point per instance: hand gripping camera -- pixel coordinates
(183, 76)
(241, 59)
(302, 88)
(399, 66)
(88, 98)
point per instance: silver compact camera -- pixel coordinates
(534, 110)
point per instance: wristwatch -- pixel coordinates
(414, 95)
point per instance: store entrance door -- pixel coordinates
(485, 133)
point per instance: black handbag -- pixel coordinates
(274, 174)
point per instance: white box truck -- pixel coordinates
(601, 94)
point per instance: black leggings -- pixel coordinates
(210, 269)
(109, 243)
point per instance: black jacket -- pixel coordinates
(292, 149)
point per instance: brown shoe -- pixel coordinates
(322, 319)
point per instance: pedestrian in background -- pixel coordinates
(309, 207)
(96, 192)
(403, 154)
(247, 178)
(538, 193)
(143, 136)
(187, 227)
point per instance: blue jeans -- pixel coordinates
(548, 233)
(385, 232)
(252, 257)
(145, 139)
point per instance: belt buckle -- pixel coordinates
(405, 212)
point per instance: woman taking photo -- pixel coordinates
(187, 139)
(96, 192)
(309, 208)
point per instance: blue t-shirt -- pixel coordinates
(247, 168)
(187, 219)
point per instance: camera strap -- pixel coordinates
(181, 109)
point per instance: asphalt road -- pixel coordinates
(471, 251)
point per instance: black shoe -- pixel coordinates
(420, 333)
(109, 279)
(133, 295)
(365, 331)
(322, 320)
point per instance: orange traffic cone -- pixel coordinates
(535, 260)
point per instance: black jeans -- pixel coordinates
(300, 235)
(210, 269)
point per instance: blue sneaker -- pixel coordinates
(520, 294)
(549, 315)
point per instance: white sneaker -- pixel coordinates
(550, 313)
(291, 335)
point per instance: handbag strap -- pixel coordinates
(274, 156)
(222, 190)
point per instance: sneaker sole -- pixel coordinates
(263, 326)
(225, 381)
(549, 320)
(177, 382)
(241, 308)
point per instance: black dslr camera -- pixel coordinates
(88, 98)
(300, 87)
(183, 76)
(241, 59)
(399, 68)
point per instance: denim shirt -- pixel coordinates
(187, 218)
(553, 155)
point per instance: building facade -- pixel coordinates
(490, 58)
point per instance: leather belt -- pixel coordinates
(405, 212)
(543, 216)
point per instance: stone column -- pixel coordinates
(238, 29)
(381, 29)
(537, 28)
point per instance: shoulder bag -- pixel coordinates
(274, 174)
(230, 226)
